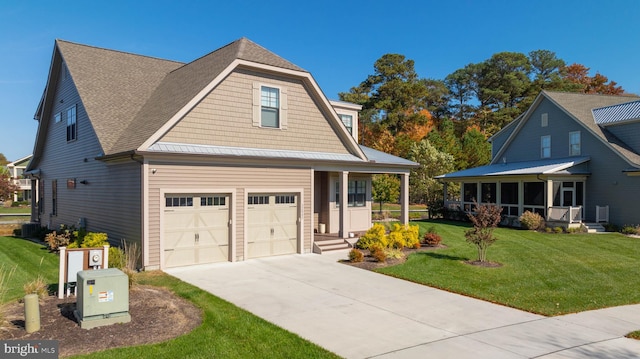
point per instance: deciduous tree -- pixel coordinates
(423, 187)
(385, 188)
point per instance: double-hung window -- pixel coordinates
(72, 126)
(545, 146)
(574, 143)
(270, 107)
(356, 193)
(347, 120)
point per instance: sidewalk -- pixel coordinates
(356, 313)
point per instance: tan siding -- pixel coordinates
(224, 118)
(110, 201)
(203, 179)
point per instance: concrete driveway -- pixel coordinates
(356, 313)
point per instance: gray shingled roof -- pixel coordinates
(113, 85)
(580, 106)
(539, 167)
(129, 97)
(617, 113)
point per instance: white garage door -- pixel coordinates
(272, 224)
(196, 229)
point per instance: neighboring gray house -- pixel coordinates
(572, 158)
(237, 154)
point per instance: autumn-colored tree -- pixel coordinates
(423, 187)
(485, 218)
(7, 186)
(578, 80)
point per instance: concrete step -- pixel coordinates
(326, 245)
(594, 228)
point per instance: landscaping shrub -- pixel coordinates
(55, 241)
(558, 230)
(393, 253)
(356, 256)
(117, 258)
(630, 229)
(431, 239)
(377, 252)
(548, 230)
(17, 232)
(376, 235)
(403, 236)
(531, 220)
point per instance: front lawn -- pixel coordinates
(549, 274)
(226, 331)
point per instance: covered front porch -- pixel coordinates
(555, 189)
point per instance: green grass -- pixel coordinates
(29, 260)
(226, 331)
(549, 274)
(26, 210)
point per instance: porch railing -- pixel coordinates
(602, 214)
(565, 214)
(23, 182)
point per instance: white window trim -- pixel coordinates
(571, 153)
(58, 117)
(257, 105)
(544, 120)
(75, 123)
(542, 148)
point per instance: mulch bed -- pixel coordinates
(370, 263)
(157, 315)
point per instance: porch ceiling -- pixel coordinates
(539, 167)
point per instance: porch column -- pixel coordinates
(404, 198)
(549, 200)
(344, 202)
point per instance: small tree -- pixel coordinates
(7, 186)
(385, 188)
(485, 219)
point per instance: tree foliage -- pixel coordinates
(456, 115)
(385, 188)
(7, 186)
(485, 219)
(423, 187)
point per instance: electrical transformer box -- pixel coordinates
(103, 298)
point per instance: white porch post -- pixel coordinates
(404, 198)
(344, 199)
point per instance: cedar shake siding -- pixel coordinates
(224, 118)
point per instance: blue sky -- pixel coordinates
(337, 41)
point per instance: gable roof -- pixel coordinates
(131, 99)
(579, 107)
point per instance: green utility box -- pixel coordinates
(103, 298)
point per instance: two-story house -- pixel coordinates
(235, 155)
(573, 158)
(16, 170)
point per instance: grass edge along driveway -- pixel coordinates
(548, 274)
(226, 331)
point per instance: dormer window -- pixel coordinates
(270, 107)
(347, 120)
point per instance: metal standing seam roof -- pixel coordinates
(617, 113)
(538, 167)
(373, 156)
